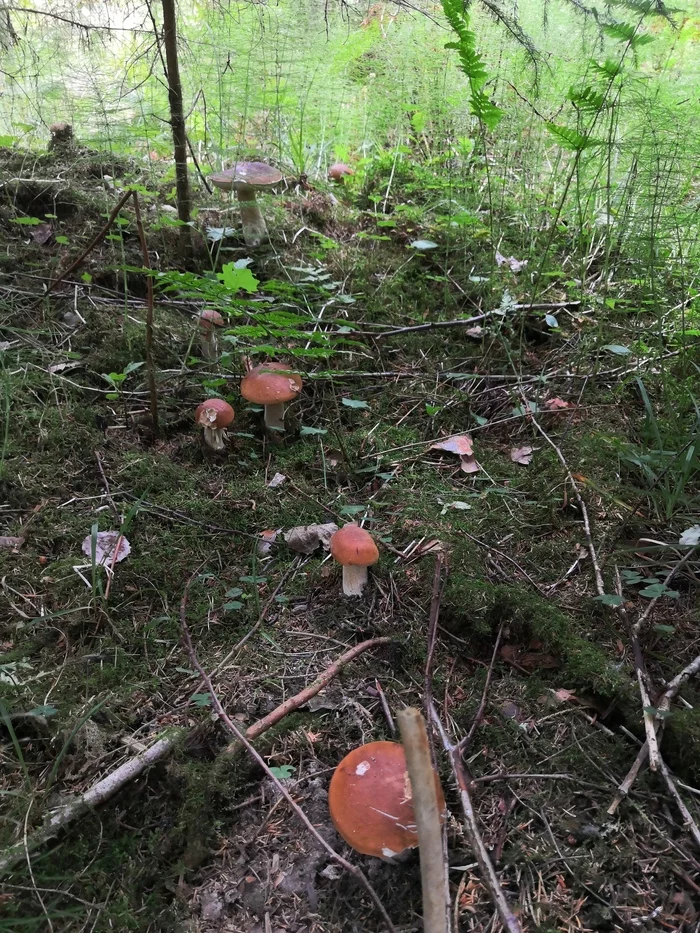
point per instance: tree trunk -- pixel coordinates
(177, 121)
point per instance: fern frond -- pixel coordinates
(471, 62)
(587, 99)
(626, 32)
(569, 138)
(607, 69)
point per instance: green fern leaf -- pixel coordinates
(587, 99)
(607, 69)
(571, 139)
(471, 63)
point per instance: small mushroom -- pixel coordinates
(354, 548)
(209, 320)
(272, 385)
(371, 802)
(245, 178)
(214, 415)
(338, 171)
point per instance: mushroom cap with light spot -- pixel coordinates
(371, 802)
(354, 546)
(253, 174)
(214, 413)
(338, 170)
(270, 384)
(209, 319)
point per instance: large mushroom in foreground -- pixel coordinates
(246, 178)
(371, 801)
(271, 385)
(355, 550)
(214, 415)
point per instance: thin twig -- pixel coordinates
(260, 761)
(150, 366)
(464, 744)
(438, 587)
(471, 827)
(688, 822)
(299, 699)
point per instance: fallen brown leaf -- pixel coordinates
(522, 455)
(460, 444)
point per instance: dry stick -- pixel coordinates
(463, 744)
(99, 793)
(688, 821)
(663, 706)
(464, 322)
(299, 699)
(243, 740)
(91, 245)
(433, 870)
(150, 368)
(438, 586)
(471, 827)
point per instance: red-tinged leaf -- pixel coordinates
(460, 444)
(468, 464)
(267, 539)
(565, 695)
(522, 455)
(42, 234)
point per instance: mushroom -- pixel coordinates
(338, 171)
(214, 415)
(271, 384)
(371, 802)
(354, 548)
(245, 178)
(209, 320)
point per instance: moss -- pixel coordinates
(682, 742)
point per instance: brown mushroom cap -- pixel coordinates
(270, 384)
(253, 174)
(214, 413)
(355, 546)
(338, 170)
(210, 319)
(371, 803)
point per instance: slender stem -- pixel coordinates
(150, 366)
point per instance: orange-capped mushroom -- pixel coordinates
(354, 548)
(271, 385)
(371, 802)
(214, 415)
(338, 171)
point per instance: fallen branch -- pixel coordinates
(60, 818)
(471, 827)
(299, 699)
(466, 322)
(433, 870)
(663, 706)
(242, 740)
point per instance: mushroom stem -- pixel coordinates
(274, 416)
(354, 579)
(254, 229)
(209, 345)
(214, 437)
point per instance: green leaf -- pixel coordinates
(238, 279)
(253, 579)
(46, 710)
(569, 138)
(233, 606)
(305, 431)
(658, 589)
(354, 403)
(63, 240)
(551, 321)
(617, 349)
(352, 509)
(609, 599)
(26, 221)
(664, 629)
(282, 772)
(233, 592)
(201, 699)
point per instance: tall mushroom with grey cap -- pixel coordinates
(354, 548)
(245, 178)
(272, 385)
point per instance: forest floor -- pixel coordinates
(92, 668)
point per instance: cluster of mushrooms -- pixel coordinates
(370, 798)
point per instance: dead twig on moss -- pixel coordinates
(488, 873)
(299, 699)
(464, 744)
(433, 869)
(150, 366)
(60, 818)
(663, 706)
(438, 587)
(243, 741)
